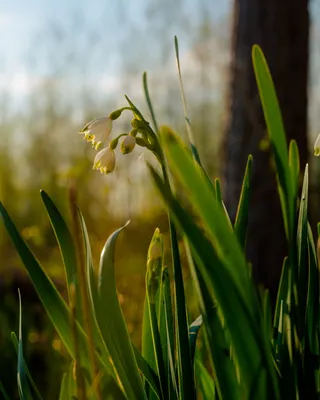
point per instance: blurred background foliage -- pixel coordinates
(72, 64)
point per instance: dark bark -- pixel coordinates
(281, 28)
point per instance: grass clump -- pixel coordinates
(249, 353)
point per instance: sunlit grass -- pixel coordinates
(248, 352)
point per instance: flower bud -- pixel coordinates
(156, 246)
(317, 146)
(105, 160)
(141, 142)
(128, 144)
(138, 124)
(115, 114)
(154, 265)
(155, 250)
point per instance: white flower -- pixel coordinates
(97, 131)
(105, 160)
(317, 146)
(128, 144)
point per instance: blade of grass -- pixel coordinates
(31, 380)
(249, 348)
(281, 295)
(68, 385)
(219, 200)
(241, 222)
(312, 311)
(153, 285)
(167, 320)
(294, 166)
(277, 136)
(147, 344)
(184, 103)
(206, 384)
(204, 202)
(193, 334)
(64, 389)
(149, 103)
(302, 248)
(112, 324)
(185, 370)
(51, 299)
(23, 384)
(224, 372)
(143, 365)
(64, 239)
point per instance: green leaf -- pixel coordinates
(143, 365)
(215, 333)
(68, 385)
(148, 99)
(219, 198)
(302, 248)
(222, 285)
(277, 136)
(167, 333)
(193, 333)
(282, 295)
(112, 325)
(184, 103)
(91, 279)
(312, 311)
(64, 240)
(205, 382)
(31, 380)
(242, 216)
(185, 371)
(147, 343)
(154, 302)
(294, 166)
(203, 199)
(51, 299)
(47, 292)
(148, 372)
(23, 384)
(64, 389)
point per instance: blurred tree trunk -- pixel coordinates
(281, 28)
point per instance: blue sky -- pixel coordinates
(24, 24)
(21, 20)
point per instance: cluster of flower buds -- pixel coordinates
(97, 133)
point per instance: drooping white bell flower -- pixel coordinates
(105, 160)
(128, 144)
(97, 131)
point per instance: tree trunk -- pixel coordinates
(281, 28)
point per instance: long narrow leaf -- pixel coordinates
(51, 299)
(112, 324)
(64, 239)
(242, 216)
(277, 136)
(31, 380)
(23, 384)
(250, 347)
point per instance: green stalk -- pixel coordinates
(81, 273)
(185, 370)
